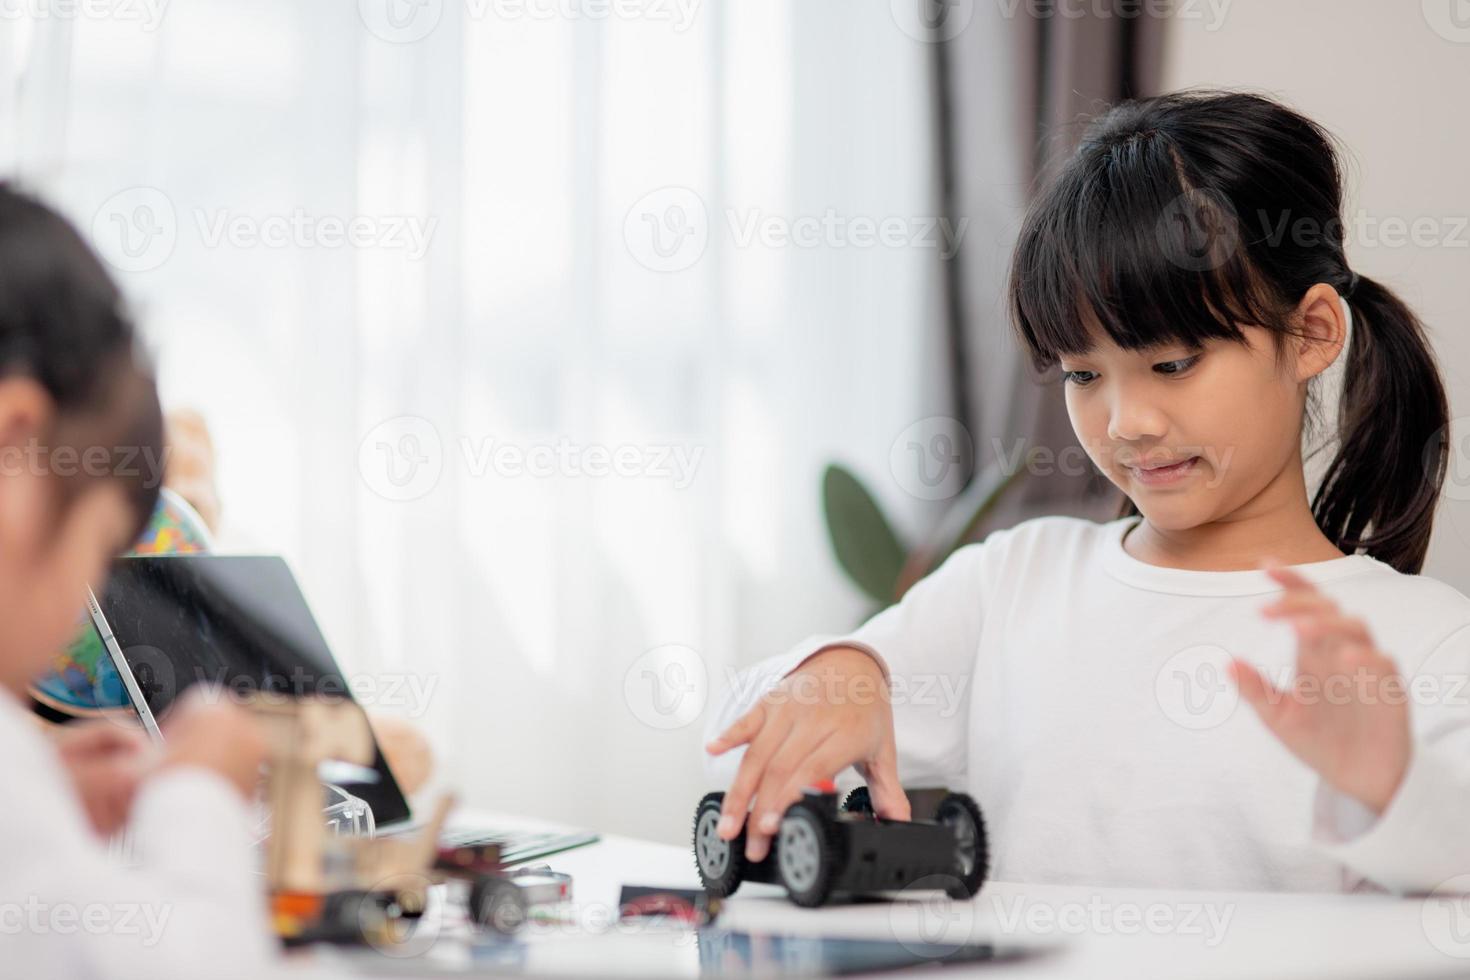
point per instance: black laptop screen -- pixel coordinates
(237, 622)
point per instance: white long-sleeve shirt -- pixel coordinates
(1080, 695)
(191, 909)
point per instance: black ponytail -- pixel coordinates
(1180, 218)
(1380, 491)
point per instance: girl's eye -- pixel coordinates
(1079, 378)
(1177, 367)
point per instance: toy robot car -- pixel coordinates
(820, 850)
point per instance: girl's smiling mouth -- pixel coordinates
(1163, 475)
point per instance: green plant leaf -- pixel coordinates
(957, 527)
(865, 544)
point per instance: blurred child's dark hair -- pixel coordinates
(1180, 217)
(62, 323)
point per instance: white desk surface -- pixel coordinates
(1096, 932)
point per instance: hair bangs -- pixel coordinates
(1125, 245)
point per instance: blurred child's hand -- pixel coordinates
(106, 763)
(1347, 714)
(210, 731)
(831, 712)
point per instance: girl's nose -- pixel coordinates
(1133, 419)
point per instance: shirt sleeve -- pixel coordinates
(927, 646)
(1420, 843)
(188, 904)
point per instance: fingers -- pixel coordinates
(889, 799)
(113, 801)
(800, 763)
(1323, 633)
(1332, 631)
(1289, 579)
(752, 770)
(100, 738)
(1297, 601)
(1321, 628)
(744, 729)
(1257, 691)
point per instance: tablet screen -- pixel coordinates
(238, 622)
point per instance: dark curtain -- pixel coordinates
(1013, 94)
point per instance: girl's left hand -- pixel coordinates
(106, 763)
(1347, 714)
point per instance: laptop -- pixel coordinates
(242, 623)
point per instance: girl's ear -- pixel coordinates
(1322, 333)
(26, 412)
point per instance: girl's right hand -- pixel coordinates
(207, 730)
(831, 712)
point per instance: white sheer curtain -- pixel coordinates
(501, 174)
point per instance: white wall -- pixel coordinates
(1380, 76)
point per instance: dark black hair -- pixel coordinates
(1181, 217)
(62, 323)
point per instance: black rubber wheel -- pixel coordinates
(807, 853)
(721, 863)
(497, 904)
(961, 813)
(353, 917)
(859, 801)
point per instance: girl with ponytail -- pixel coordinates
(1243, 681)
